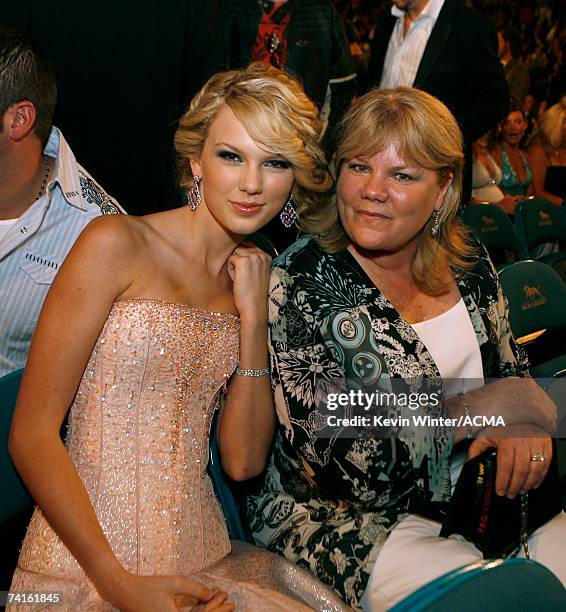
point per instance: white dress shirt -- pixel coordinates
(34, 246)
(404, 54)
(5, 225)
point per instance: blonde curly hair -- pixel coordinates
(275, 112)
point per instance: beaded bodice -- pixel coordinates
(138, 436)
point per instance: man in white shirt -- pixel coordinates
(450, 51)
(408, 40)
(46, 197)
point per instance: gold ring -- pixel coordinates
(539, 457)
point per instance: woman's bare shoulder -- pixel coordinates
(125, 238)
(536, 148)
(111, 252)
(117, 233)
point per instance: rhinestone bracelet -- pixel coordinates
(261, 372)
(466, 405)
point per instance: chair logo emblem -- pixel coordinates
(544, 218)
(533, 297)
(489, 224)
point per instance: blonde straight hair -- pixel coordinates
(551, 127)
(426, 135)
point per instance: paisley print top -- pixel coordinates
(328, 504)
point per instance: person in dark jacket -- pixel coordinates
(453, 52)
(303, 37)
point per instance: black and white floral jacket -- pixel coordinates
(329, 504)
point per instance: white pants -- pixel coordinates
(414, 555)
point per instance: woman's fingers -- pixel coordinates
(191, 590)
(255, 261)
(249, 269)
(521, 468)
(517, 472)
(217, 604)
(505, 460)
(243, 250)
(538, 469)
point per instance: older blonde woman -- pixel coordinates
(548, 155)
(387, 286)
(140, 335)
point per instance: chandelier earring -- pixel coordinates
(193, 194)
(435, 222)
(288, 215)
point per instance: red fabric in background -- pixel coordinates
(271, 44)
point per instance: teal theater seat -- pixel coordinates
(513, 585)
(494, 230)
(537, 298)
(237, 529)
(15, 497)
(539, 223)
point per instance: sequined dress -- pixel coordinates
(138, 436)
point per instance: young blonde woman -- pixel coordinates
(149, 321)
(547, 154)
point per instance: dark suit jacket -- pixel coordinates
(317, 47)
(459, 66)
(317, 53)
(518, 79)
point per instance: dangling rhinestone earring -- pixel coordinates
(435, 222)
(193, 194)
(288, 214)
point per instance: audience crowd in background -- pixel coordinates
(541, 26)
(471, 110)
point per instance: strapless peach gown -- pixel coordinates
(138, 436)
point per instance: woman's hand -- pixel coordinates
(247, 419)
(517, 400)
(165, 593)
(516, 471)
(249, 269)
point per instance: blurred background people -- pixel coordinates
(516, 73)
(516, 172)
(306, 38)
(153, 64)
(449, 51)
(487, 177)
(547, 154)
